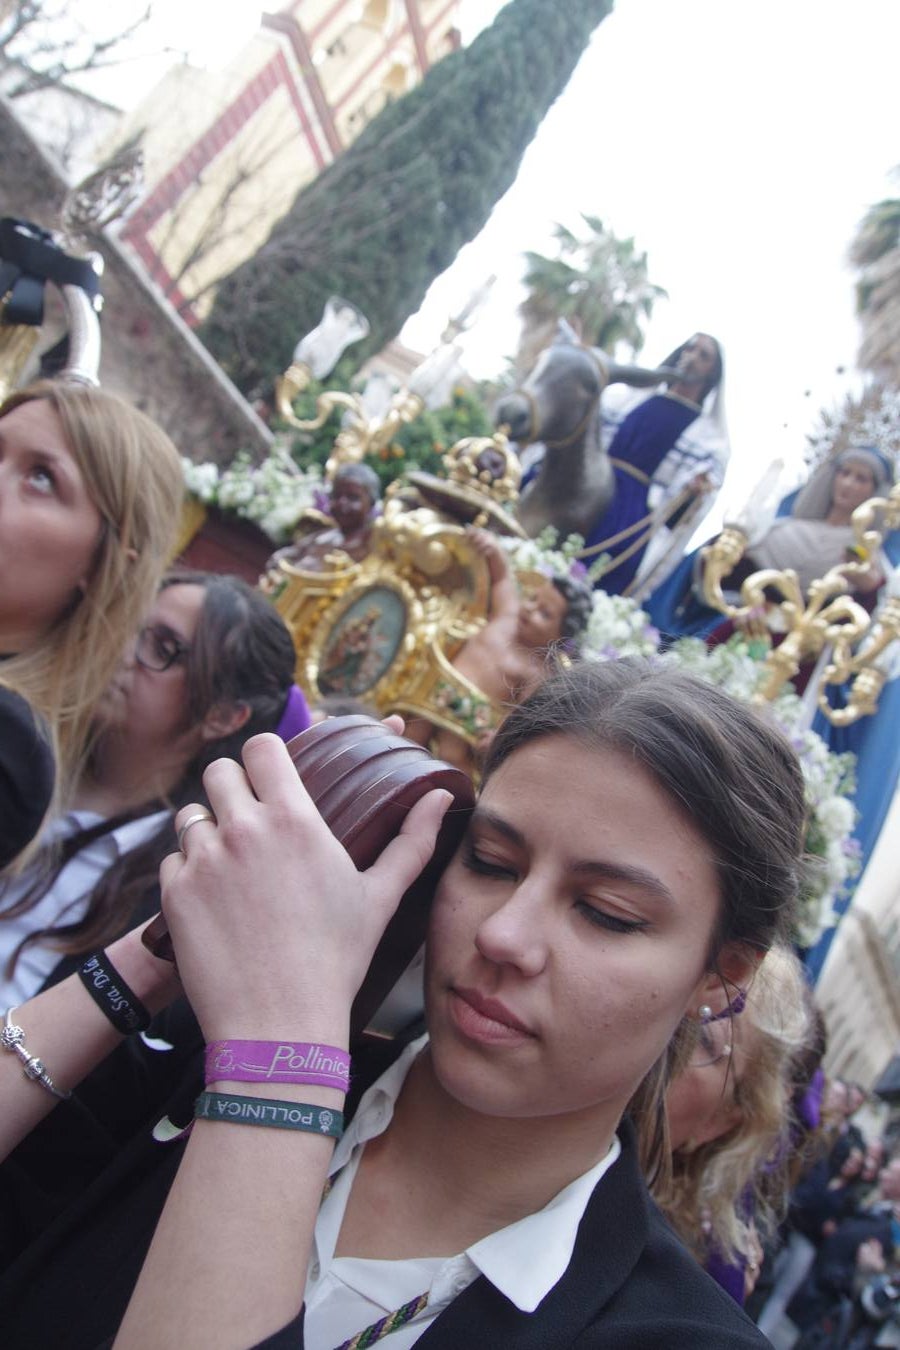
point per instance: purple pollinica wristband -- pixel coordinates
(278, 1062)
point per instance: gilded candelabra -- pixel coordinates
(826, 616)
(361, 435)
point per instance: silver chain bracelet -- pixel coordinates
(12, 1038)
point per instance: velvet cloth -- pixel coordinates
(631, 1285)
(27, 774)
(643, 440)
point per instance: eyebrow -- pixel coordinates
(584, 867)
(163, 629)
(57, 460)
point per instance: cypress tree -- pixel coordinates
(387, 217)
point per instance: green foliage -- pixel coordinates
(387, 217)
(418, 445)
(599, 281)
(875, 254)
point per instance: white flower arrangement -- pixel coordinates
(545, 553)
(273, 494)
(617, 626)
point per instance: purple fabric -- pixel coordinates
(810, 1107)
(295, 717)
(728, 1275)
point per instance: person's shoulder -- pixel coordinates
(636, 1284)
(27, 774)
(668, 1301)
(24, 739)
(15, 709)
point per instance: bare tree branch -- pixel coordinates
(43, 47)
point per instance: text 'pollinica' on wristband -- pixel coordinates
(278, 1062)
(274, 1114)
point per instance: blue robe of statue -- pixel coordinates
(876, 743)
(638, 448)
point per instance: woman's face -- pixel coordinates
(49, 527)
(702, 1102)
(150, 705)
(569, 936)
(854, 483)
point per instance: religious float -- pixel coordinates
(386, 629)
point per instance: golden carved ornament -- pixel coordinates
(481, 487)
(385, 630)
(360, 436)
(826, 616)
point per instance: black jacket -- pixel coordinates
(27, 774)
(630, 1282)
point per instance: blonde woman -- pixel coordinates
(90, 493)
(729, 1116)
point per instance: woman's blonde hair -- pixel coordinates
(133, 476)
(704, 1194)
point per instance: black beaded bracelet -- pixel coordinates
(111, 994)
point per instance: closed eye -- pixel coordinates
(602, 918)
(485, 867)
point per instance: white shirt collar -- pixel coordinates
(525, 1259)
(122, 839)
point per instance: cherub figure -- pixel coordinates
(507, 658)
(355, 492)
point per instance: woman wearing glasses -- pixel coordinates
(212, 665)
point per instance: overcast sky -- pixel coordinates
(739, 143)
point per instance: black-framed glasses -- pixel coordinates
(159, 649)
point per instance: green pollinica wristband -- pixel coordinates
(274, 1114)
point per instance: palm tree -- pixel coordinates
(875, 252)
(599, 283)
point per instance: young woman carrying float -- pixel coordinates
(634, 850)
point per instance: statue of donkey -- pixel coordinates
(559, 404)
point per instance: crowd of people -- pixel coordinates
(832, 1277)
(588, 1130)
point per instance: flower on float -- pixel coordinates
(201, 480)
(836, 816)
(273, 494)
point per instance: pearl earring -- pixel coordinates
(705, 1013)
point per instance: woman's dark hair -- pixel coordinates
(579, 598)
(732, 774)
(241, 653)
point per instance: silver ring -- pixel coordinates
(193, 820)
